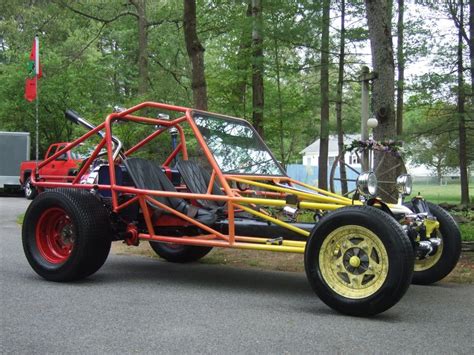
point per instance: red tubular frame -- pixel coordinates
(173, 155)
(89, 161)
(147, 197)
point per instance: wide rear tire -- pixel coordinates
(359, 261)
(66, 234)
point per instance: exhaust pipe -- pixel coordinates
(74, 117)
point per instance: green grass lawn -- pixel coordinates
(467, 231)
(451, 194)
(438, 194)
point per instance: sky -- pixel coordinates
(442, 28)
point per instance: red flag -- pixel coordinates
(34, 72)
(30, 89)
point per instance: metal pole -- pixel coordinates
(364, 132)
(174, 139)
(365, 78)
(37, 126)
(37, 71)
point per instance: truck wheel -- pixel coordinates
(30, 190)
(178, 253)
(359, 261)
(66, 234)
(436, 267)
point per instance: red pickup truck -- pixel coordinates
(57, 170)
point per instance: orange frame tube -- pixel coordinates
(231, 196)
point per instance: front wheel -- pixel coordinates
(66, 234)
(359, 261)
(435, 267)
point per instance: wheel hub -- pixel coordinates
(356, 261)
(67, 235)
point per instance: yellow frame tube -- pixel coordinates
(282, 203)
(324, 192)
(250, 245)
(320, 206)
(294, 192)
(290, 243)
(280, 248)
(274, 220)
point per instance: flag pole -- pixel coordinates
(37, 127)
(37, 100)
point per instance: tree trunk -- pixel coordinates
(324, 88)
(471, 57)
(400, 66)
(196, 55)
(461, 113)
(140, 5)
(340, 82)
(280, 104)
(380, 35)
(439, 173)
(257, 67)
(281, 132)
(240, 89)
(471, 47)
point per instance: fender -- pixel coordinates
(24, 176)
(383, 206)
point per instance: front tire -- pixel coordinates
(66, 234)
(178, 253)
(359, 261)
(436, 267)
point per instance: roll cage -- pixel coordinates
(269, 191)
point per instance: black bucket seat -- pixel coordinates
(147, 175)
(197, 180)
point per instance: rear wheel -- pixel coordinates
(30, 190)
(66, 234)
(178, 253)
(359, 261)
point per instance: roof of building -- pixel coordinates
(314, 147)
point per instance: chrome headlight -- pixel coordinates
(367, 184)
(404, 184)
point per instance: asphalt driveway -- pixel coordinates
(142, 305)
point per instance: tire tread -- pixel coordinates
(91, 221)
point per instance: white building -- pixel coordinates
(310, 157)
(311, 152)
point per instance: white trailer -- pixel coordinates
(14, 149)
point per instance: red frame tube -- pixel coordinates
(144, 197)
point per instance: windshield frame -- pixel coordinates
(256, 136)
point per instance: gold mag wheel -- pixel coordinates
(430, 261)
(353, 262)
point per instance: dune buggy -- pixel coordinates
(220, 186)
